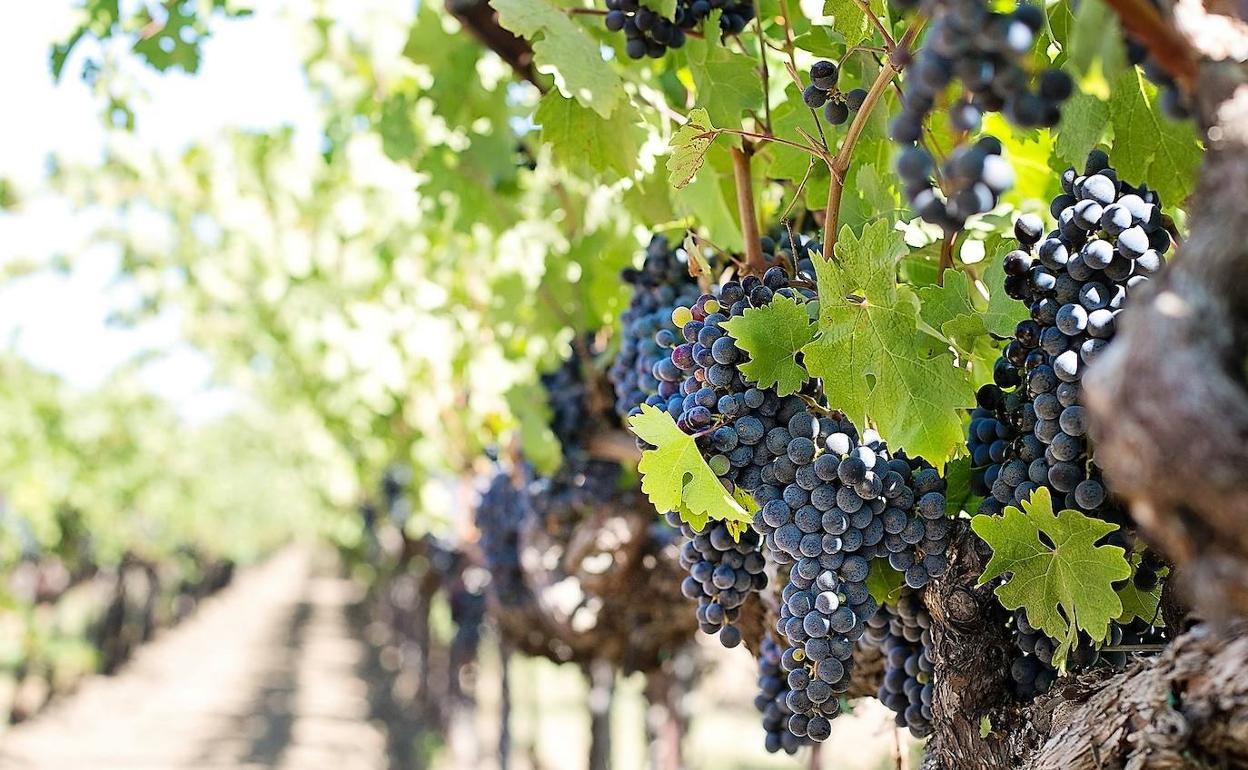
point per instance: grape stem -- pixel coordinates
(946, 257)
(840, 164)
(754, 261)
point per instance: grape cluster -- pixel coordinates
(1028, 429)
(828, 496)
(500, 516)
(824, 92)
(661, 285)
(1075, 280)
(973, 178)
(651, 34)
(717, 403)
(986, 52)
(772, 700)
(567, 395)
(723, 572)
(904, 637)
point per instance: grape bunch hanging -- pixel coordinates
(823, 92)
(986, 52)
(1029, 429)
(650, 34)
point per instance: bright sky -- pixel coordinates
(250, 77)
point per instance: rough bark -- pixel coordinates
(1185, 708)
(971, 652)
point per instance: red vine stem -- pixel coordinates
(840, 163)
(745, 209)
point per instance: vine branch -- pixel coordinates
(1144, 22)
(745, 209)
(840, 164)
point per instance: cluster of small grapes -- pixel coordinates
(650, 34)
(728, 415)
(903, 634)
(1034, 673)
(824, 614)
(823, 92)
(827, 496)
(661, 285)
(772, 700)
(567, 395)
(973, 178)
(986, 52)
(1111, 236)
(500, 516)
(723, 572)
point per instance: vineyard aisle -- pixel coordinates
(264, 675)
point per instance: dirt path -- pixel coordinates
(265, 675)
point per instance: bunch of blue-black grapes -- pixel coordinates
(831, 503)
(500, 516)
(716, 403)
(903, 634)
(973, 178)
(987, 53)
(772, 700)
(828, 495)
(651, 34)
(824, 92)
(723, 572)
(1030, 429)
(646, 334)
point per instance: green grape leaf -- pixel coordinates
(949, 314)
(710, 199)
(689, 146)
(564, 49)
(958, 495)
(869, 353)
(884, 583)
(579, 137)
(788, 162)
(1148, 146)
(1095, 37)
(1002, 313)
(1084, 118)
(1065, 587)
(820, 42)
(1144, 605)
(727, 83)
(849, 20)
(676, 478)
(537, 440)
(773, 335)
